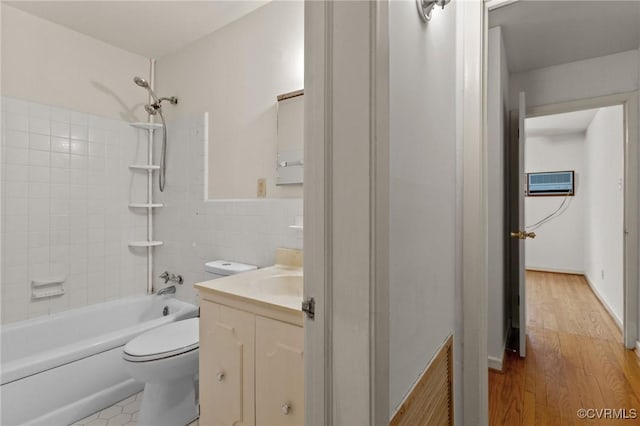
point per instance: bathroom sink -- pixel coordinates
(280, 285)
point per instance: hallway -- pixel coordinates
(575, 359)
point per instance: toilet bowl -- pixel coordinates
(166, 360)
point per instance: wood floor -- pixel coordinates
(575, 359)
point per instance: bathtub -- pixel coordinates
(61, 368)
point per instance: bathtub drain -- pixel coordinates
(165, 311)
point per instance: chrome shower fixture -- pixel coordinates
(425, 7)
(156, 105)
(152, 109)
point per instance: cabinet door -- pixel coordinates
(279, 373)
(226, 366)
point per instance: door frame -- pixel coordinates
(629, 102)
(346, 203)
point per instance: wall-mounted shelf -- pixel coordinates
(48, 288)
(146, 126)
(145, 243)
(145, 206)
(144, 167)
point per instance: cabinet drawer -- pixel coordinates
(279, 373)
(226, 366)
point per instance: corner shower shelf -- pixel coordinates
(146, 126)
(148, 204)
(144, 206)
(144, 167)
(145, 243)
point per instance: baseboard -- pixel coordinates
(604, 304)
(495, 363)
(554, 270)
(430, 400)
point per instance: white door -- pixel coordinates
(522, 316)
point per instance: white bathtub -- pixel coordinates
(60, 368)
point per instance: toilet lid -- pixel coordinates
(165, 341)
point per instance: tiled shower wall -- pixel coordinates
(65, 190)
(196, 231)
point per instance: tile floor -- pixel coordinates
(123, 413)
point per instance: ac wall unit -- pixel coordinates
(550, 183)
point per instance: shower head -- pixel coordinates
(145, 85)
(150, 109)
(141, 82)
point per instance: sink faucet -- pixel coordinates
(167, 290)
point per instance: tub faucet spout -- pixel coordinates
(167, 290)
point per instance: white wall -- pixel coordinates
(195, 231)
(601, 76)
(559, 243)
(422, 190)
(497, 101)
(604, 207)
(53, 65)
(235, 74)
(65, 191)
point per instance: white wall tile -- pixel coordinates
(79, 147)
(56, 191)
(59, 160)
(60, 144)
(16, 172)
(16, 155)
(39, 158)
(39, 142)
(17, 139)
(39, 125)
(60, 129)
(79, 132)
(17, 122)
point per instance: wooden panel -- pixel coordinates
(226, 366)
(431, 400)
(279, 373)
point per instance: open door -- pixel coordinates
(521, 232)
(516, 187)
(518, 233)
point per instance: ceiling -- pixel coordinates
(539, 34)
(148, 28)
(560, 124)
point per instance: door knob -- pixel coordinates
(523, 235)
(285, 409)
(220, 376)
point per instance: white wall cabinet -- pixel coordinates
(251, 369)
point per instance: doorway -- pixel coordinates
(573, 207)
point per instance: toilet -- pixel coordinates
(166, 360)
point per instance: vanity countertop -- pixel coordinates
(274, 291)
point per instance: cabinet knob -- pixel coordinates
(285, 409)
(220, 376)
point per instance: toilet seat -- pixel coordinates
(163, 342)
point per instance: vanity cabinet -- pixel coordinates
(251, 369)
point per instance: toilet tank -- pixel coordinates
(224, 268)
